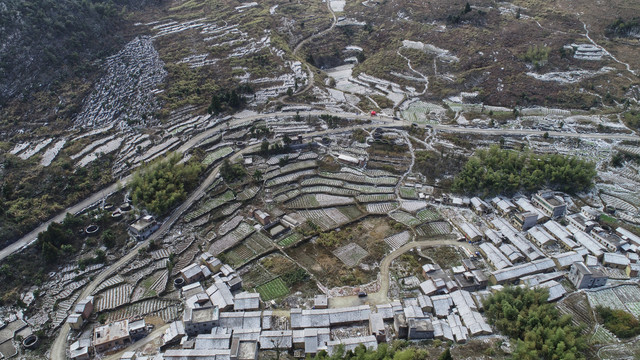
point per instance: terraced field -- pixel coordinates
(408, 193)
(436, 228)
(328, 190)
(307, 201)
(217, 155)
(405, 218)
(428, 215)
(250, 248)
(210, 205)
(285, 179)
(228, 241)
(381, 207)
(376, 198)
(325, 219)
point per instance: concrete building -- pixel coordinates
(192, 273)
(144, 227)
(377, 328)
(525, 220)
(111, 335)
(514, 273)
(566, 259)
(617, 261)
(632, 270)
(246, 301)
(137, 329)
(84, 307)
(628, 235)
(262, 217)
(75, 321)
(584, 277)
(200, 320)
(581, 222)
(551, 204)
(609, 240)
(470, 232)
(494, 256)
(480, 206)
(320, 302)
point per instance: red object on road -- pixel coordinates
(373, 113)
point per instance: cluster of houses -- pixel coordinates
(105, 337)
(527, 237)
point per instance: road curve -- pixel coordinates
(388, 122)
(381, 296)
(59, 347)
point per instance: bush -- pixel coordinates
(537, 55)
(619, 322)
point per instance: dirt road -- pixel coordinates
(381, 296)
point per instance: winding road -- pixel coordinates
(384, 122)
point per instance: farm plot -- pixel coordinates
(273, 289)
(577, 305)
(114, 297)
(603, 336)
(227, 210)
(291, 168)
(287, 196)
(605, 297)
(248, 193)
(350, 254)
(142, 308)
(375, 198)
(381, 207)
(408, 193)
(231, 239)
(397, 240)
(282, 189)
(291, 239)
(325, 219)
(275, 160)
(405, 218)
(360, 179)
(209, 205)
(318, 200)
(630, 296)
(436, 228)
(352, 212)
(217, 155)
(413, 205)
(320, 181)
(284, 179)
(369, 189)
(428, 215)
(255, 245)
(328, 190)
(617, 203)
(230, 225)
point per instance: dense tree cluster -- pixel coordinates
(161, 185)
(536, 326)
(619, 322)
(229, 100)
(494, 171)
